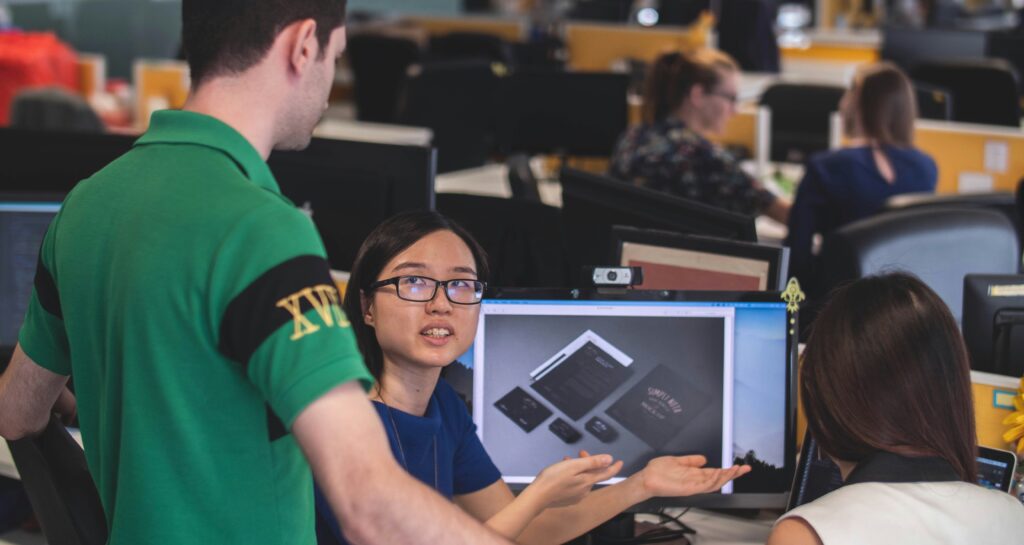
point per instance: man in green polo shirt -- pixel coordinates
(193, 305)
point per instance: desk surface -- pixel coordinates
(719, 529)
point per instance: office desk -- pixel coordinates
(719, 529)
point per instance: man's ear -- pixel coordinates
(697, 95)
(304, 46)
(367, 307)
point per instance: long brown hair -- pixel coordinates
(885, 104)
(886, 369)
(672, 75)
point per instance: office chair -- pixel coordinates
(62, 493)
(984, 91)
(938, 244)
(1003, 202)
(53, 108)
(379, 64)
(457, 100)
(523, 239)
(933, 102)
(746, 31)
(1009, 46)
(468, 46)
(801, 115)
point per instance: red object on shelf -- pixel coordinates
(33, 59)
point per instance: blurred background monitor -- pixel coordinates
(909, 47)
(351, 187)
(993, 323)
(583, 382)
(24, 219)
(673, 261)
(593, 204)
(54, 161)
(550, 111)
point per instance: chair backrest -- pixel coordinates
(801, 115)
(53, 108)
(1003, 202)
(933, 102)
(746, 31)
(1008, 45)
(984, 91)
(938, 244)
(523, 240)
(53, 469)
(458, 101)
(469, 46)
(378, 66)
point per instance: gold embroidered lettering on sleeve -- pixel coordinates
(325, 301)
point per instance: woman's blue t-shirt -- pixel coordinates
(461, 465)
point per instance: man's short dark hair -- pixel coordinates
(229, 36)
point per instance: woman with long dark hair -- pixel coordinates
(878, 162)
(413, 300)
(885, 384)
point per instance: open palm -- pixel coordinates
(686, 476)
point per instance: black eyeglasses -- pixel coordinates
(420, 289)
(727, 96)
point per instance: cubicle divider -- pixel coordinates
(597, 47)
(973, 158)
(509, 29)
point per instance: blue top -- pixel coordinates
(462, 466)
(845, 185)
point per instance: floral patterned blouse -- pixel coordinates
(668, 156)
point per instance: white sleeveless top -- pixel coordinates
(922, 513)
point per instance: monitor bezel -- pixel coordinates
(736, 500)
(977, 300)
(776, 256)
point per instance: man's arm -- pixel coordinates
(375, 500)
(28, 393)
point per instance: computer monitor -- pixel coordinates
(909, 47)
(673, 261)
(54, 161)
(351, 187)
(933, 102)
(817, 475)
(23, 223)
(638, 374)
(592, 204)
(993, 322)
(553, 111)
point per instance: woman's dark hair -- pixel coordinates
(388, 240)
(229, 36)
(673, 75)
(886, 105)
(885, 369)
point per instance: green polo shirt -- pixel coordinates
(193, 305)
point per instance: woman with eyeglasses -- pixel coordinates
(413, 300)
(687, 99)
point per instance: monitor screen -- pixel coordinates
(638, 375)
(673, 261)
(22, 227)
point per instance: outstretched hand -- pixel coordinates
(686, 476)
(569, 481)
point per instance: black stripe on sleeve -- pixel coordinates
(255, 313)
(46, 290)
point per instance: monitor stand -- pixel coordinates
(1002, 360)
